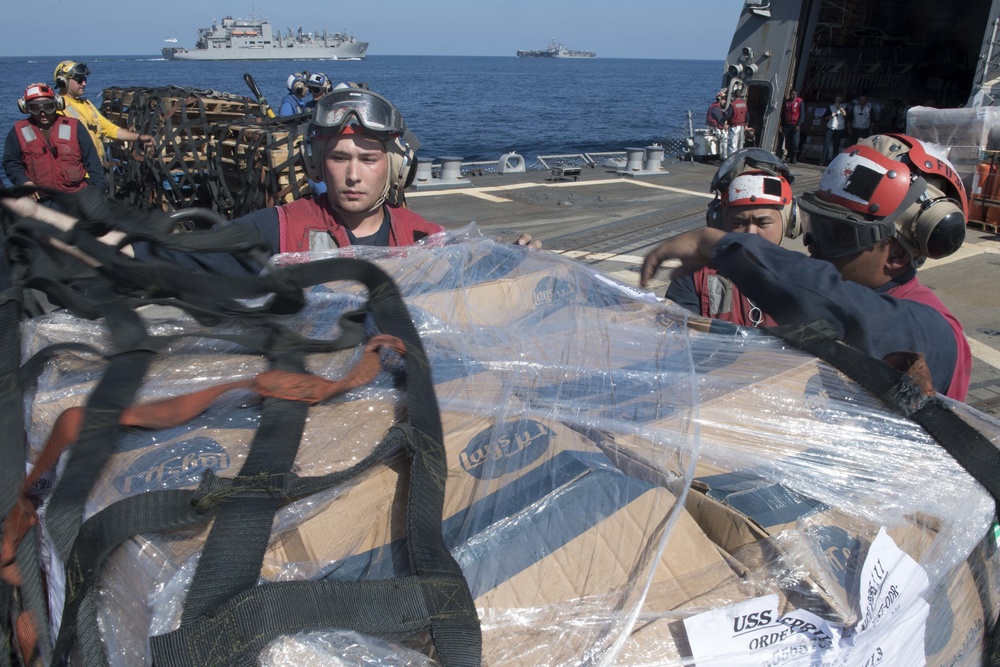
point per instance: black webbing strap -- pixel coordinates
(13, 452)
(98, 437)
(970, 448)
(453, 623)
(240, 629)
(159, 511)
(231, 558)
(109, 285)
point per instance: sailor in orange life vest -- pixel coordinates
(753, 194)
(50, 151)
(881, 208)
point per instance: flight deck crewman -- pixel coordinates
(880, 209)
(71, 82)
(50, 151)
(753, 195)
(292, 104)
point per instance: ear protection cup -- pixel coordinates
(793, 226)
(22, 105)
(312, 157)
(411, 175)
(937, 228)
(713, 216)
(62, 83)
(402, 171)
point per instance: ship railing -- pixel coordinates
(565, 160)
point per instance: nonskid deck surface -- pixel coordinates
(610, 222)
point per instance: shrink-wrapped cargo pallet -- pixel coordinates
(625, 485)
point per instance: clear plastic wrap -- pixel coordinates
(963, 133)
(622, 484)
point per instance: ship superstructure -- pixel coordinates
(898, 54)
(556, 51)
(255, 39)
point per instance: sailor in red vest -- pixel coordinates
(791, 122)
(753, 191)
(360, 146)
(738, 119)
(50, 151)
(881, 208)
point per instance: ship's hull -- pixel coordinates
(550, 55)
(351, 51)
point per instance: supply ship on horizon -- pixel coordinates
(255, 39)
(556, 51)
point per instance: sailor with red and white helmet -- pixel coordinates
(881, 208)
(50, 151)
(753, 189)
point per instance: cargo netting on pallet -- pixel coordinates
(626, 484)
(212, 150)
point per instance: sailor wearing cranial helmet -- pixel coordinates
(753, 194)
(881, 208)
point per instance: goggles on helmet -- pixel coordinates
(36, 107)
(372, 111)
(860, 197)
(78, 72)
(749, 159)
(835, 231)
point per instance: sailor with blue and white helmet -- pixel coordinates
(318, 85)
(298, 85)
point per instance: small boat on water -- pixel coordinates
(255, 39)
(556, 51)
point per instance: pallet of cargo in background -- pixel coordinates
(211, 149)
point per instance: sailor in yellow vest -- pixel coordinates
(71, 82)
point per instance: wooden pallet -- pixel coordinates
(987, 227)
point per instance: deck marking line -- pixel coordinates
(602, 256)
(984, 352)
(475, 192)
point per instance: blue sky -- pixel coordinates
(699, 29)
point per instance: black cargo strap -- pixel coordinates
(970, 448)
(246, 624)
(94, 280)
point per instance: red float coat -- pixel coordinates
(297, 219)
(56, 164)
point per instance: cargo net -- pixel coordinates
(212, 150)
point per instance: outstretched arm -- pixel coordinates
(694, 250)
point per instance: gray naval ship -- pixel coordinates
(254, 39)
(556, 51)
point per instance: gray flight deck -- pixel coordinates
(610, 222)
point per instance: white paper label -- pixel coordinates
(752, 633)
(893, 613)
(890, 632)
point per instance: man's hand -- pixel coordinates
(526, 240)
(694, 250)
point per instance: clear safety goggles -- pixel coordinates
(370, 110)
(36, 107)
(838, 232)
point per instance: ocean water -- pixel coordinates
(475, 108)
